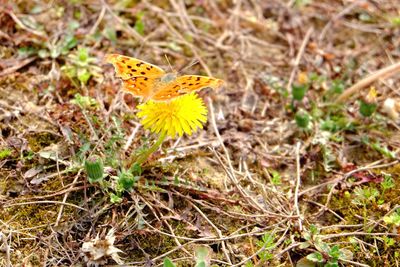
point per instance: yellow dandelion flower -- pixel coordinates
(180, 115)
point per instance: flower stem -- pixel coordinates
(145, 154)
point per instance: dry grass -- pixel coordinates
(251, 173)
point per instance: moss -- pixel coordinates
(4, 153)
(38, 141)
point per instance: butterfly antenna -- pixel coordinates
(191, 64)
(169, 63)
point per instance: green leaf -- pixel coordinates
(26, 51)
(84, 102)
(249, 263)
(115, 199)
(111, 34)
(126, 180)
(302, 119)
(73, 25)
(265, 256)
(4, 153)
(395, 21)
(201, 253)
(334, 252)
(139, 25)
(315, 257)
(367, 109)
(276, 177)
(337, 86)
(136, 169)
(345, 254)
(83, 75)
(43, 53)
(314, 229)
(68, 43)
(383, 150)
(201, 264)
(331, 263)
(304, 245)
(299, 91)
(322, 246)
(168, 263)
(304, 262)
(393, 218)
(301, 3)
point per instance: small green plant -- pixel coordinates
(302, 119)
(393, 218)
(395, 21)
(387, 183)
(337, 86)
(300, 3)
(328, 157)
(299, 91)
(266, 244)
(276, 178)
(168, 263)
(368, 104)
(388, 241)
(335, 123)
(55, 48)
(367, 109)
(139, 25)
(382, 149)
(4, 153)
(364, 197)
(84, 102)
(202, 256)
(81, 67)
(325, 255)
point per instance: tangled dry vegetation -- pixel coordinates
(282, 175)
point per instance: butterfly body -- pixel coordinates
(148, 81)
(168, 77)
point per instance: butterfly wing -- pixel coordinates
(129, 67)
(140, 86)
(138, 77)
(185, 84)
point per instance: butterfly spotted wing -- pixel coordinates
(138, 77)
(128, 67)
(185, 84)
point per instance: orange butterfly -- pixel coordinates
(146, 80)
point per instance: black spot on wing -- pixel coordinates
(143, 73)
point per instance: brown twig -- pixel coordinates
(380, 74)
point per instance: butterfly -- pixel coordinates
(148, 81)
